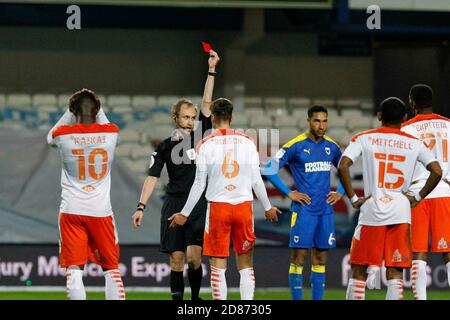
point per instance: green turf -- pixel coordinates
(259, 295)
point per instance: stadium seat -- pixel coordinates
(19, 100)
(252, 112)
(340, 135)
(260, 121)
(300, 113)
(337, 122)
(348, 103)
(63, 100)
(124, 149)
(118, 100)
(122, 109)
(129, 136)
(240, 120)
(299, 103)
(287, 134)
(160, 132)
(367, 106)
(197, 100)
(375, 123)
(285, 121)
(253, 103)
(44, 99)
(166, 101)
(359, 123)
(326, 102)
(160, 118)
(275, 106)
(144, 152)
(2, 101)
(48, 108)
(351, 113)
(143, 102)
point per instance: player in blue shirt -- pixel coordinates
(310, 157)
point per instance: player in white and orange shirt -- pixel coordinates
(230, 161)
(389, 156)
(86, 221)
(432, 215)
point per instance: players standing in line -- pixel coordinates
(310, 156)
(230, 162)
(383, 230)
(181, 172)
(431, 215)
(86, 221)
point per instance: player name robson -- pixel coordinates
(89, 140)
(399, 144)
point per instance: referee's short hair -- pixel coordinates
(422, 95)
(176, 107)
(392, 110)
(222, 109)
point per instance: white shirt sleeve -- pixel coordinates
(101, 117)
(258, 183)
(425, 155)
(67, 118)
(353, 150)
(198, 186)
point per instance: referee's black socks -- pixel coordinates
(195, 281)
(176, 285)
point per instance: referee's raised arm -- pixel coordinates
(177, 153)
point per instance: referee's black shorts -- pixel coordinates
(191, 233)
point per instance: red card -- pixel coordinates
(206, 47)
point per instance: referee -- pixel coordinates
(178, 153)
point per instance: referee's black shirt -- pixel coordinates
(182, 172)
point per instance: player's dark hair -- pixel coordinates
(422, 95)
(76, 99)
(392, 110)
(222, 109)
(316, 109)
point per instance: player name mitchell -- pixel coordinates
(83, 141)
(393, 143)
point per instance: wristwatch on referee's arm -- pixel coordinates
(141, 206)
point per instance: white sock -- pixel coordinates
(448, 272)
(247, 283)
(218, 283)
(395, 289)
(74, 284)
(356, 289)
(114, 289)
(419, 279)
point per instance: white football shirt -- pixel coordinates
(229, 158)
(434, 131)
(87, 153)
(389, 156)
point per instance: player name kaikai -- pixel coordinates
(393, 143)
(82, 141)
(204, 311)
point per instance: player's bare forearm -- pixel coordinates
(209, 85)
(433, 179)
(147, 188)
(344, 175)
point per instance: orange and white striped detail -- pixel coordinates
(414, 271)
(358, 289)
(216, 279)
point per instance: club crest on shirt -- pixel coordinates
(280, 153)
(191, 154)
(327, 150)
